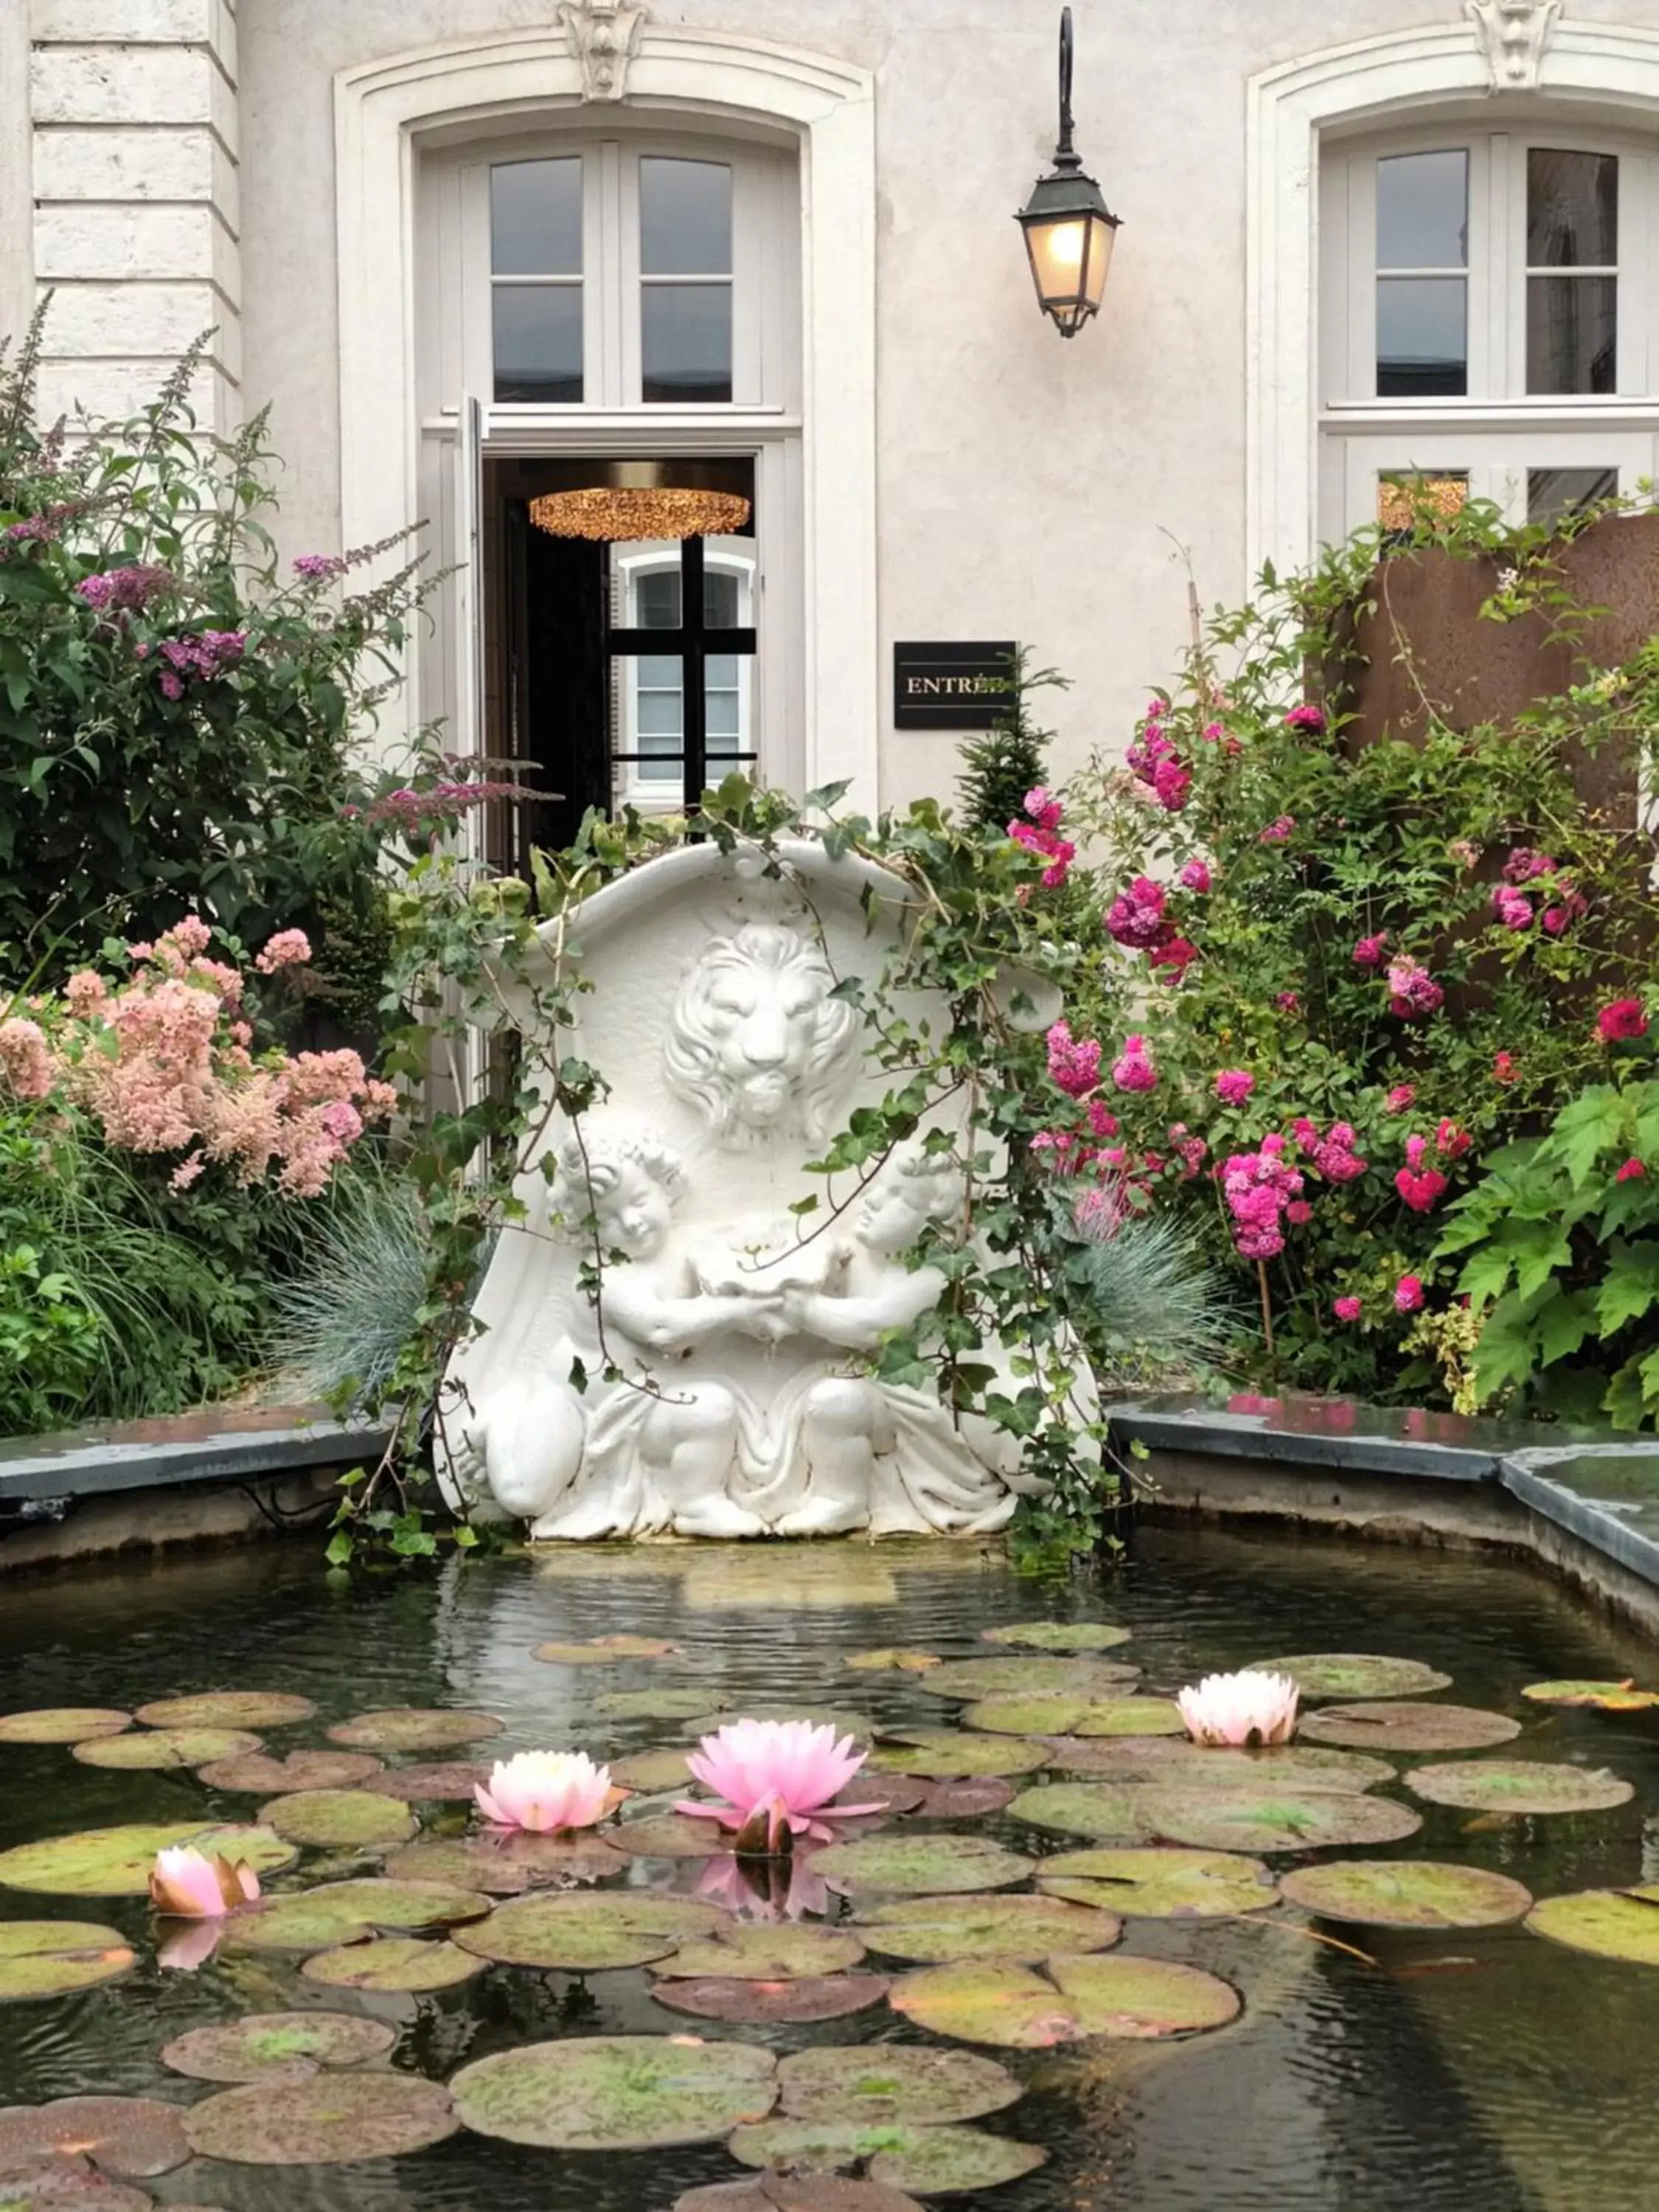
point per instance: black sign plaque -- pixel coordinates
(950, 687)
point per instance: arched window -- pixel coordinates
(1487, 320)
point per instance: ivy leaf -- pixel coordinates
(1630, 1287)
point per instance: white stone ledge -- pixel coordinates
(83, 239)
(113, 390)
(137, 23)
(113, 320)
(181, 162)
(127, 85)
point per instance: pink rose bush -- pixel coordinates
(1039, 832)
(161, 1062)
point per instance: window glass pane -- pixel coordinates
(1573, 333)
(1422, 343)
(658, 671)
(1572, 209)
(722, 709)
(722, 672)
(686, 341)
(1552, 494)
(1403, 497)
(1422, 211)
(538, 341)
(659, 716)
(536, 218)
(720, 600)
(685, 218)
(657, 604)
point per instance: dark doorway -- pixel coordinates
(570, 675)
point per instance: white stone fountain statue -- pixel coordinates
(741, 1330)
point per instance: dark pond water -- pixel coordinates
(1485, 2069)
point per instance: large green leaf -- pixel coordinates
(1587, 1127)
(1508, 1349)
(1564, 1321)
(1630, 1286)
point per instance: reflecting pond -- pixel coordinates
(1370, 2066)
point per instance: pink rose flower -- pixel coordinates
(1073, 1063)
(1369, 951)
(1620, 1019)
(1299, 1213)
(1503, 1069)
(1234, 1085)
(1134, 1070)
(1196, 877)
(1402, 1096)
(1407, 1294)
(1277, 833)
(1347, 1309)
(1632, 1171)
(1305, 717)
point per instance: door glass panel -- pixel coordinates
(536, 218)
(722, 713)
(1572, 334)
(1422, 336)
(659, 713)
(720, 599)
(658, 671)
(686, 341)
(657, 599)
(1572, 209)
(1405, 496)
(1553, 494)
(1422, 211)
(538, 342)
(685, 218)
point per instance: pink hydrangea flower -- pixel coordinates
(1277, 833)
(26, 1061)
(1234, 1085)
(1347, 1309)
(1073, 1062)
(289, 948)
(1133, 1069)
(1408, 1295)
(1621, 1018)
(1196, 877)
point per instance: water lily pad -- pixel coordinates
(650, 1771)
(780, 1951)
(603, 1650)
(891, 1661)
(322, 2122)
(340, 1819)
(432, 1781)
(63, 1724)
(1407, 1894)
(53, 1958)
(669, 1836)
(53, 2185)
(1276, 1820)
(1055, 1713)
(799, 2002)
(135, 2137)
(1161, 1885)
(940, 1930)
(969, 1798)
(164, 1747)
(1179, 1765)
(928, 2161)
(844, 1724)
(1520, 1785)
(904, 2081)
(1026, 1678)
(920, 1865)
(267, 2046)
(588, 1931)
(897, 1793)
(615, 2092)
(1059, 1635)
(658, 1705)
(1016, 2008)
(1614, 1923)
(117, 1861)
(1356, 1674)
(1086, 1808)
(348, 1911)
(1603, 1696)
(409, 1729)
(502, 1865)
(405, 1964)
(956, 1751)
(228, 1709)
(1406, 1726)
(261, 1775)
(796, 2192)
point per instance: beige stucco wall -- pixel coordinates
(1027, 487)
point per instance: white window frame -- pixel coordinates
(1608, 72)
(633, 789)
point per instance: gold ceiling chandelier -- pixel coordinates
(618, 514)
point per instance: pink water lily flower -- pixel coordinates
(1243, 1710)
(543, 1790)
(187, 1886)
(770, 1777)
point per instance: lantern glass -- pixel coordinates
(1070, 254)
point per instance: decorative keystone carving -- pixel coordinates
(605, 36)
(1515, 34)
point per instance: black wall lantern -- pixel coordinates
(1068, 227)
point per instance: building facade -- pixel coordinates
(475, 253)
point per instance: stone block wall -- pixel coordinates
(129, 135)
